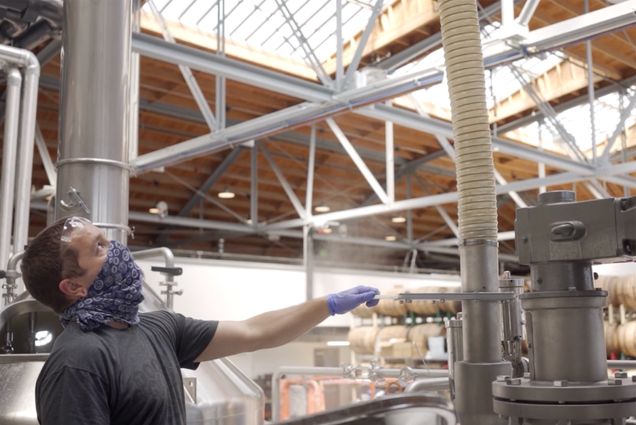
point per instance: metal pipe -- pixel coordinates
(11, 120)
(168, 258)
(12, 276)
(95, 130)
(430, 384)
(27, 141)
(344, 372)
(621, 364)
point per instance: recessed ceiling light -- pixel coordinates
(398, 219)
(322, 208)
(390, 238)
(226, 194)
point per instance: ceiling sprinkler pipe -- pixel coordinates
(477, 212)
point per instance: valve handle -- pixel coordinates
(172, 271)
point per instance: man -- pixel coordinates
(112, 365)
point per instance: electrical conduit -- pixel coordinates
(477, 212)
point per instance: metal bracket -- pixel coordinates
(75, 201)
(190, 386)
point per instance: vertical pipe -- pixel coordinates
(11, 120)
(507, 12)
(94, 113)
(25, 157)
(477, 209)
(409, 212)
(541, 165)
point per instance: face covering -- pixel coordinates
(114, 296)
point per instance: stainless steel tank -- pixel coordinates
(217, 393)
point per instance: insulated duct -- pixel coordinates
(482, 357)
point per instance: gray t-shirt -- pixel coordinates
(121, 376)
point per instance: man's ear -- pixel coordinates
(72, 289)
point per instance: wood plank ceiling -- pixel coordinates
(338, 183)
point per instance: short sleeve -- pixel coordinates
(72, 397)
(193, 336)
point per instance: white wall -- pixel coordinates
(616, 269)
(223, 290)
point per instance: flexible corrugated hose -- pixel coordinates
(466, 82)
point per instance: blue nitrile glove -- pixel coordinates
(345, 301)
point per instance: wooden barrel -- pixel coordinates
(424, 307)
(611, 338)
(628, 291)
(418, 335)
(362, 339)
(448, 306)
(362, 311)
(391, 307)
(627, 338)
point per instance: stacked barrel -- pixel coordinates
(620, 334)
(401, 340)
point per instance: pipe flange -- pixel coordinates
(523, 398)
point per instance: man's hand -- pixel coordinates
(345, 301)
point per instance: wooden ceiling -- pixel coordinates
(338, 183)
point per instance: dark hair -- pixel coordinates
(45, 264)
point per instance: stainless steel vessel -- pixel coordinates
(217, 393)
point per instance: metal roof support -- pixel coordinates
(409, 213)
(189, 78)
(254, 185)
(220, 80)
(339, 46)
(49, 167)
(501, 236)
(431, 200)
(355, 157)
(285, 184)
(549, 113)
(249, 15)
(529, 119)
(311, 169)
(590, 86)
(514, 195)
(448, 220)
(620, 126)
(207, 12)
(364, 39)
(527, 12)
(310, 55)
(210, 181)
(390, 160)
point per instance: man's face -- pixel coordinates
(91, 246)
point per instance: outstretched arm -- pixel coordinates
(279, 327)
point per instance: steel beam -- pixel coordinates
(625, 113)
(189, 78)
(448, 220)
(514, 195)
(49, 167)
(527, 12)
(210, 181)
(580, 100)
(300, 210)
(390, 160)
(355, 157)
(311, 168)
(501, 236)
(429, 201)
(364, 39)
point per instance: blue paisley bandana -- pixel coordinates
(114, 296)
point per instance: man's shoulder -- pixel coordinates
(79, 350)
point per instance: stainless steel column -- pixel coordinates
(93, 169)
(11, 120)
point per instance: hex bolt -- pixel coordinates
(614, 382)
(560, 383)
(513, 381)
(620, 374)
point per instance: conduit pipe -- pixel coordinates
(27, 61)
(7, 188)
(477, 212)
